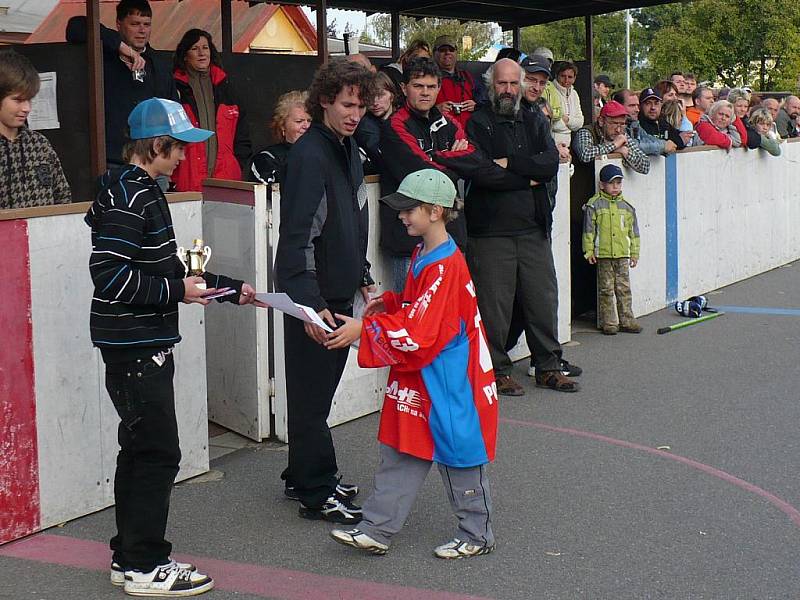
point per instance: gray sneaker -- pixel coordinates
(355, 538)
(455, 548)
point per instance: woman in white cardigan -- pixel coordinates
(572, 118)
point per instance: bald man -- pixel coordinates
(786, 121)
(361, 60)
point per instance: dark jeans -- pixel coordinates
(147, 462)
(312, 376)
(504, 267)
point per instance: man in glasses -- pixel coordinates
(608, 135)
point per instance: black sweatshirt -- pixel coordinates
(138, 280)
(321, 259)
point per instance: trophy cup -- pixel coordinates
(194, 261)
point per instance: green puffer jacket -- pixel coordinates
(610, 228)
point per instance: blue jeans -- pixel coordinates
(147, 463)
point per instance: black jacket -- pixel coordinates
(268, 165)
(532, 155)
(321, 259)
(122, 92)
(368, 137)
(662, 130)
(138, 280)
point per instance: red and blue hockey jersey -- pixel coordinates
(441, 398)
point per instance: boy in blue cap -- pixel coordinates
(134, 322)
(611, 241)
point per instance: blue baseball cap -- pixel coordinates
(609, 173)
(157, 116)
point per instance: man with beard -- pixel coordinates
(654, 124)
(509, 245)
(786, 121)
(650, 145)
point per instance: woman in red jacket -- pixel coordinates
(205, 92)
(718, 127)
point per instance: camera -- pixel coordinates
(456, 108)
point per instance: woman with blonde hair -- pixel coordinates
(740, 99)
(675, 115)
(761, 121)
(289, 121)
(719, 127)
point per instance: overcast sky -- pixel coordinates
(357, 19)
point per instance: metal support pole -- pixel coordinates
(97, 113)
(322, 31)
(227, 26)
(589, 45)
(516, 37)
(395, 35)
(627, 49)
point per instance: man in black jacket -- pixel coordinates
(509, 245)
(321, 262)
(138, 283)
(655, 125)
(131, 73)
(418, 137)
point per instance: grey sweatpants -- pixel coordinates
(397, 483)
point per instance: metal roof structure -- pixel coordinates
(507, 13)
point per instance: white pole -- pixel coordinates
(628, 48)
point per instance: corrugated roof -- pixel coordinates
(24, 15)
(172, 18)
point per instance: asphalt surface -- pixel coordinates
(585, 506)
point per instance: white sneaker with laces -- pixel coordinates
(455, 548)
(167, 581)
(355, 538)
(118, 573)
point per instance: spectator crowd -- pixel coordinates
(498, 138)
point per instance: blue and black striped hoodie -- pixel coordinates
(138, 280)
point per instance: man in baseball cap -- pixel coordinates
(460, 93)
(656, 126)
(609, 135)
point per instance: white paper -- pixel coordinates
(44, 106)
(284, 303)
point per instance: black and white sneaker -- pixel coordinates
(118, 573)
(355, 538)
(567, 370)
(344, 491)
(167, 581)
(335, 510)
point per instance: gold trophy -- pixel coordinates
(194, 261)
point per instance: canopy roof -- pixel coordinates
(508, 13)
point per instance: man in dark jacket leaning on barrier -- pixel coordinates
(509, 247)
(321, 262)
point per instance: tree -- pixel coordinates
(332, 27)
(480, 35)
(735, 43)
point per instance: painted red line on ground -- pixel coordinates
(269, 582)
(786, 508)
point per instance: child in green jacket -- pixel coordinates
(611, 241)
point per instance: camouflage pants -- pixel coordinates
(613, 279)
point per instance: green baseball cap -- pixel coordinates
(428, 185)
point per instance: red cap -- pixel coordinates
(613, 109)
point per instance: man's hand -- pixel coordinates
(460, 145)
(634, 262)
(194, 294)
(565, 118)
(468, 105)
(620, 141)
(624, 151)
(670, 147)
(445, 107)
(317, 333)
(592, 259)
(563, 152)
(502, 162)
(248, 296)
(345, 335)
(132, 59)
(686, 136)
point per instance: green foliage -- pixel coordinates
(379, 31)
(734, 43)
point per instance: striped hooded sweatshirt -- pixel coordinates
(138, 280)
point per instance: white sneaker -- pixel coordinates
(356, 538)
(167, 580)
(118, 573)
(455, 548)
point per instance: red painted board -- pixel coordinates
(19, 461)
